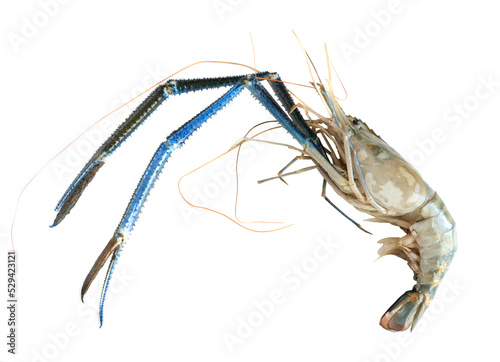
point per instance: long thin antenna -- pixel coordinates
(253, 51)
(314, 83)
(329, 61)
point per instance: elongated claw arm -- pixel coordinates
(293, 123)
(125, 130)
(155, 166)
(138, 116)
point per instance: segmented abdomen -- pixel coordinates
(436, 236)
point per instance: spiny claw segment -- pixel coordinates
(138, 116)
(111, 267)
(75, 191)
(111, 248)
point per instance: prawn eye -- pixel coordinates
(355, 122)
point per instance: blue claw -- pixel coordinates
(155, 166)
(294, 124)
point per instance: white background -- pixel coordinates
(187, 281)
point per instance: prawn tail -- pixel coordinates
(406, 311)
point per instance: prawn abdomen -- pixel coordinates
(433, 239)
(436, 236)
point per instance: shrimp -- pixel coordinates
(359, 166)
(375, 179)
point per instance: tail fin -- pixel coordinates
(405, 312)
